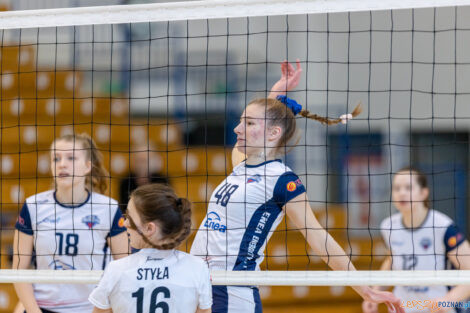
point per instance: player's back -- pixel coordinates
(150, 279)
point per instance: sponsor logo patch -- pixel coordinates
(91, 220)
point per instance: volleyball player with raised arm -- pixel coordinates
(68, 228)
(249, 204)
(420, 238)
(158, 276)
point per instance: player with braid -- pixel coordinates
(158, 276)
(249, 204)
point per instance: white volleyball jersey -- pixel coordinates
(171, 280)
(421, 248)
(69, 238)
(243, 212)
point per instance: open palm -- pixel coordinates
(290, 78)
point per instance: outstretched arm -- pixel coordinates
(299, 212)
(290, 78)
(460, 258)
(372, 307)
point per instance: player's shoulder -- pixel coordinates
(279, 167)
(123, 264)
(41, 198)
(98, 198)
(190, 259)
(438, 219)
(390, 222)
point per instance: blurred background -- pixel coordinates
(161, 101)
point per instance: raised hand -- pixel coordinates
(290, 78)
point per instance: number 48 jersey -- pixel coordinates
(69, 238)
(151, 280)
(243, 212)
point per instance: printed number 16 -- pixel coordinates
(154, 305)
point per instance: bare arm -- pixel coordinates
(22, 253)
(119, 245)
(204, 311)
(371, 307)
(97, 310)
(386, 266)
(299, 212)
(460, 258)
(290, 78)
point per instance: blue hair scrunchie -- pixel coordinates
(290, 103)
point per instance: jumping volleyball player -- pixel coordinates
(68, 228)
(250, 203)
(420, 238)
(158, 276)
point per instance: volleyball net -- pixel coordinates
(163, 85)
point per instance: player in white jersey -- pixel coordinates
(68, 228)
(248, 205)
(158, 276)
(420, 238)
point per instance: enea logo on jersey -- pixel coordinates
(253, 179)
(292, 185)
(91, 221)
(213, 222)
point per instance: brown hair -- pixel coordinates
(421, 179)
(97, 178)
(159, 203)
(279, 114)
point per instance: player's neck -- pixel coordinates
(258, 158)
(71, 196)
(415, 218)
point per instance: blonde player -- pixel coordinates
(158, 278)
(249, 204)
(68, 228)
(420, 238)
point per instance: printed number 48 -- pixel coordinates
(224, 193)
(154, 305)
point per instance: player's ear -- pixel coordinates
(425, 193)
(275, 133)
(150, 228)
(89, 166)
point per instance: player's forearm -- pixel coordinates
(458, 293)
(25, 293)
(329, 250)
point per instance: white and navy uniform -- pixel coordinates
(171, 280)
(243, 212)
(421, 248)
(69, 238)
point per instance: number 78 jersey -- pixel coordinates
(243, 212)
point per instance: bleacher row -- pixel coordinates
(38, 105)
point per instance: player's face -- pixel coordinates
(69, 164)
(407, 193)
(251, 131)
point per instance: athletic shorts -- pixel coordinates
(234, 299)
